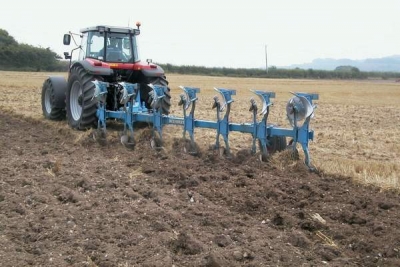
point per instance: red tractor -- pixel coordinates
(106, 54)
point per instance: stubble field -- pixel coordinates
(67, 201)
(356, 123)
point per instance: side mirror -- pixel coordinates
(66, 55)
(67, 39)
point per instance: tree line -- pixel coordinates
(25, 57)
(341, 72)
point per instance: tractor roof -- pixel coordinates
(109, 29)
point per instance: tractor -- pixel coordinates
(107, 54)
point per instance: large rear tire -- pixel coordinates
(165, 104)
(53, 98)
(81, 106)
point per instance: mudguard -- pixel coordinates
(154, 71)
(94, 70)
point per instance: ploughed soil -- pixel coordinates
(68, 201)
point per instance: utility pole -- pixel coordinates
(266, 59)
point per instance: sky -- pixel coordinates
(220, 33)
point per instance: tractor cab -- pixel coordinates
(107, 44)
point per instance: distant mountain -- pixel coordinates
(384, 64)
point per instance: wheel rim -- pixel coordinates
(76, 108)
(47, 101)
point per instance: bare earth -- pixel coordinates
(69, 202)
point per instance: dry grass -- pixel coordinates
(357, 123)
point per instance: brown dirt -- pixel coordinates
(65, 202)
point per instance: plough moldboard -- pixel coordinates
(300, 110)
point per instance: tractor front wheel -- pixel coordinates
(276, 143)
(53, 98)
(81, 105)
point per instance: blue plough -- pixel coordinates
(299, 108)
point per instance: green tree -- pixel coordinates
(6, 39)
(15, 56)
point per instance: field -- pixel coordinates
(66, 200)
(356, 122)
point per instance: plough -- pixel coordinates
(299, 109)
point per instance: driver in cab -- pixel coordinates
(114, 50)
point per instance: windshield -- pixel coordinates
(112, 47)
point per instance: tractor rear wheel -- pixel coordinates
(53, 98)
(81, 105)
(165, 104)
(276, 143)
